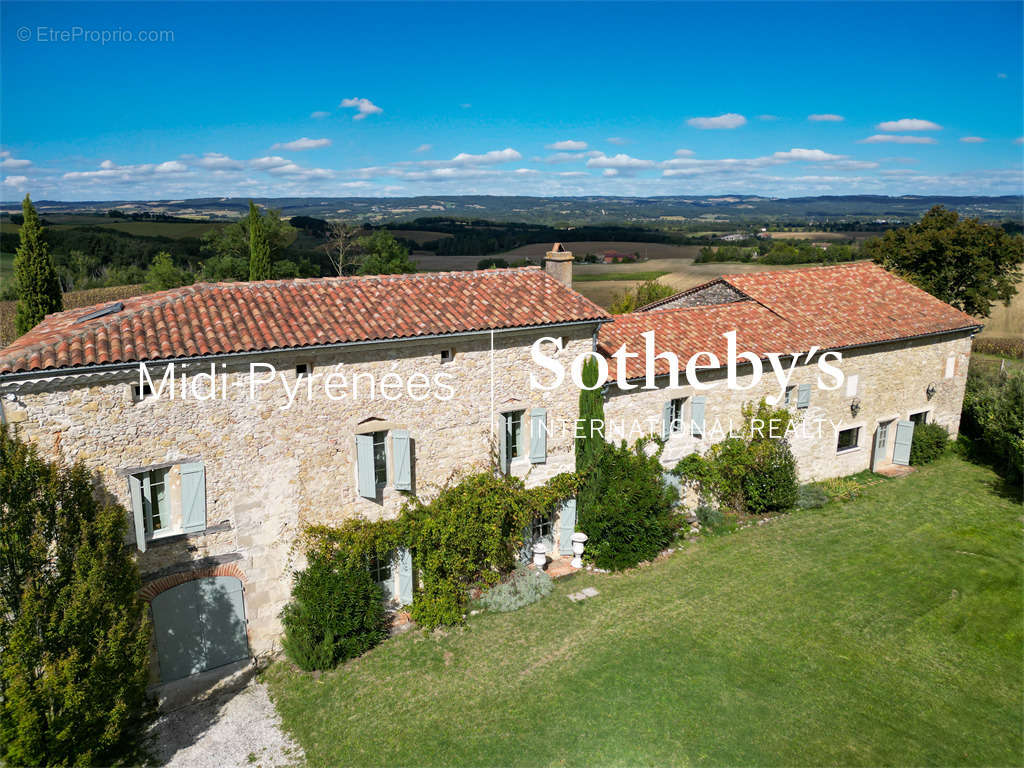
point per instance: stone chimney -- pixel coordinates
(558, 264)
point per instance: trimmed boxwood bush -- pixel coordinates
(770, 484)
(336, 613)
(626, 511)
(930, 441)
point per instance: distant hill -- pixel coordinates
(675, 212)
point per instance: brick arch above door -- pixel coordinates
(162, 584)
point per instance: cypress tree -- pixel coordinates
(39, 291)
(75, 633)
(591, 410)
(259, 246)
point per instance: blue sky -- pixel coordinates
(269, 99)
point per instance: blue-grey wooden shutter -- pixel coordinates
(193, 497)
(666, 420)
(803, 396)
(404, 576)
(901, 443)
(364, 467)
(504, 428)
(401, 448)
(538, 436)
(223, 618)
(566, 527)
(697, 415)
(135, 487)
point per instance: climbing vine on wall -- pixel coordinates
(468, 536)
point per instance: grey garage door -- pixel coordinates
(199, 625)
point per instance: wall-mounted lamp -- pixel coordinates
(930, 390)
(855, 406)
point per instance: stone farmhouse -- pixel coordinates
(269, 406)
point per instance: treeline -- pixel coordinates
(482, 238)
(96, 257)
(780, 252)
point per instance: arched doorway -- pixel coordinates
(199, 625)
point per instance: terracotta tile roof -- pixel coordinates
(787, 311)
(207, 319)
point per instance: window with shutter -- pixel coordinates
(366, 480)
(697, 415)
(401, 449)
(193, 497)
(803, 397)
(538, 436)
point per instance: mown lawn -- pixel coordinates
(882, 630)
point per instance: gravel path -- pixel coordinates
(235, 724)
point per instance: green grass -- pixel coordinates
(642, 276)
(882, 630)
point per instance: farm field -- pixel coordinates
(680, 274)
(810, 235)
(884, 630)
(1006, 321)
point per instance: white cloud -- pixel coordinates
(826, 118)
(266, 163)
(319, 114)
(424, 148)
(806, 155)
(620, 161)
(611, 172)
(14, 162)
(302, 144)
(768, 118)
(16, 181)
(569, 145)
(684, 153)
(617, 140)
(972, 139)
(727, 121)
(888, 138)
(364, 107)
(566, 157)
(487, 158)
(214, 161)
(908, 124)
(126, 174)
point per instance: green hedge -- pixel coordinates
(930, 441)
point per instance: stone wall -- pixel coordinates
(891, 383)
(271, 470)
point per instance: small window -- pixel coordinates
(156, 504)
(380, 458)
(514, 433)
(676, 408)
(848, 439)
(790, 391)
(302, 369)
(380, 570)
(142, 392)
(542, 529)
(919, 418)
(447, 355)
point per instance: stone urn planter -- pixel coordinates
(579, 539)
(540, 556)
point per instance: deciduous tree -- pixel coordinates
(961, 261)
